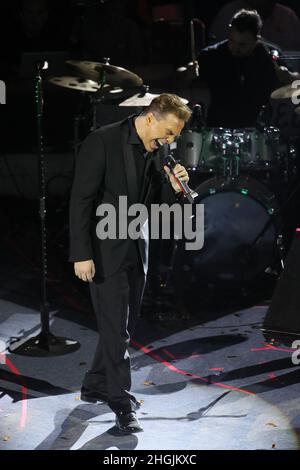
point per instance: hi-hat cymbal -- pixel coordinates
(143, 100)
(106, 73)
(139, 100)
(285, 92)
(75, 83)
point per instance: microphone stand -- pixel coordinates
(164, 281)
(45, 343)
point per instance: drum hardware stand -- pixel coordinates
(237, 148)
(233, 170)
(235, 159)
(80, 117)
(225, 160)
(289, 163)
(279, 239)
(193, 41)
(231, 154)
(95, 100)
(280, 248)
(99, 95)
(45, 343)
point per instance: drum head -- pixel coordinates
(239, 232)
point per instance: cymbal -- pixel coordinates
(75, 83)
(297, 110)
(285, 92)
(139, 100)
(110, 74)
(143, 100)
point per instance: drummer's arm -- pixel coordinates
(284, 75)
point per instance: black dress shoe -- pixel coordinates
(127, 423)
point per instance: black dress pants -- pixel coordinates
(116, 301)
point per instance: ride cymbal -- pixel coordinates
(106, 73)
(75, 83)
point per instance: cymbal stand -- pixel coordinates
(97, 97)
(237, 142)
(79, 118)
(231, 154)
(224, 157)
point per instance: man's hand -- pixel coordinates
(85, 270)
(180, 173)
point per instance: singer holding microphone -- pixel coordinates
(121, 159)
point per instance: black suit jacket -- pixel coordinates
(105, 170)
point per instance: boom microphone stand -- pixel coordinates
(45, 343)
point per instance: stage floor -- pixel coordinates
(215, 385)
(209, 382)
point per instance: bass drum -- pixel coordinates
(241, 219)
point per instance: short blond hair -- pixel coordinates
(168, 103)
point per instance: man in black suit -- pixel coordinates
(121, 159)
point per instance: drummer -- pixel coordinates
(240, 74)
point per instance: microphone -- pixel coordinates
(187, 191)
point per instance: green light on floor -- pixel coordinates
(245, 192)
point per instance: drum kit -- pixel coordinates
(238, 170)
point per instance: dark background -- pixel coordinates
(165, 46)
